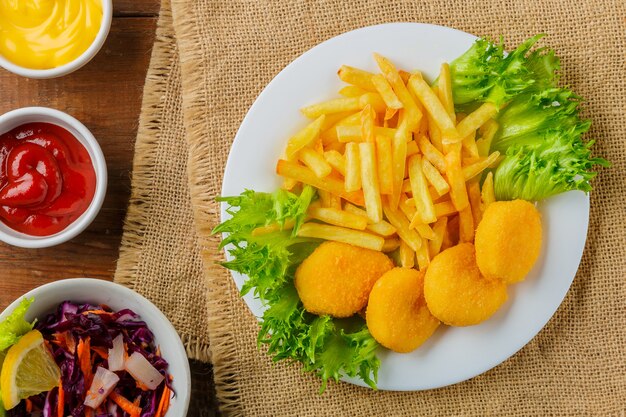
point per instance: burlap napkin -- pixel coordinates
(228, 52)
(159, 254)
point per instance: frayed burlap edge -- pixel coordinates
(196, 105)
(164, 54)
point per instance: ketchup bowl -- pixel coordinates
(53, 177)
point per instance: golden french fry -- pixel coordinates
(357, 77)
(369, 182)
(404, 76)
(454, 172)
(335, 202)
(338, 217)
(406, 255)
(473, 192)
(374, 100)
(353, 167)
(274, 227)
(305, 175)
(400, 222)
(353, 119)
(411, 148)
(423, 257)
(382, 228)
(368, 118)
(332, 106)
(419, 186)
(336, 146)
(433, 176)
(407, 206)
(406, 186)
(487, 194)
(487, 131)
(324, 198)
(348, 133)
(304, 137)
(336, 160)
(445, 91)
(439, 228)
(434, 107)
(391, 244)
(352, 91)
(470, 171)
(469, 145)
(315, 162)
(444, 208)
(389, 114)
(386, 92)
(476, 119)
(424, 230)
(434, 133)
(342, 234)
(398, 156)
(385, 164)
(466, 225)
(289, 184)
(390, 72)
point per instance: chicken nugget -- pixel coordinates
(456, 293)
(397, 315)
(508, 240)
(337, 278)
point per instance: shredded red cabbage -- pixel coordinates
(101, 325)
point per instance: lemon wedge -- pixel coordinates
(28, 369)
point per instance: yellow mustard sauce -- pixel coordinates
(43, 34)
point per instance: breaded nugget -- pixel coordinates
(508, 240)
(397, 315)
(337, 278)
(455, 291)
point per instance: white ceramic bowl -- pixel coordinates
(95, 291)
(18, 117)
(84, 58)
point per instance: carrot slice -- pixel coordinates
(29, 405)
(98, 312)
(89, 412)
(126, 405)
(164, 403)
(104, 353)
(84, 359)
(61, 401)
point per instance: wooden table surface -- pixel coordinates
(106, 96)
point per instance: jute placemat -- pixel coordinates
(577, 365)
(159, 254)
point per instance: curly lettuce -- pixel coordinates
(540, 129)
(325, 346)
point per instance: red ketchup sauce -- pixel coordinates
(47, 179)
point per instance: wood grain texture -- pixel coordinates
(136, 7)
(106, 96)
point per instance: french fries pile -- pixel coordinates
(395, 167)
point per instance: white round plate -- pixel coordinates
(452, 354)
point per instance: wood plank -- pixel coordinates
(136, 7)
(106, 96)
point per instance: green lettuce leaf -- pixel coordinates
(15, 326)
(485, 73)
(265, 259)
(540, 129)
(325, 346)
(555, 162)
